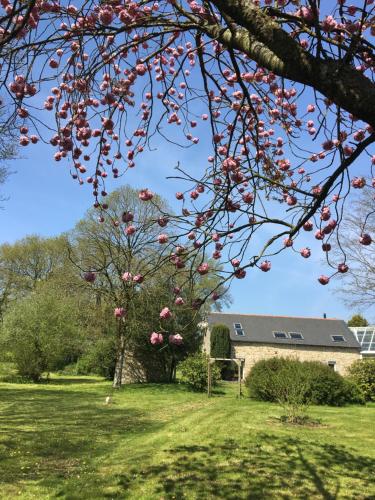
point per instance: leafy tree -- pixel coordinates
(220, 342)
(357, 320)
(128, 265)
(42, 332)
(231, 73)
(26, 263)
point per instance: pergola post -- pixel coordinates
(209, 377)
(239, 364)
(211, 361)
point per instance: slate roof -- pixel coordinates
(315, 331)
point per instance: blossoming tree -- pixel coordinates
(126, 265)
(283, 89)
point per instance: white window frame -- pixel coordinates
(238, 328)
(338, 335)
(280, 331)
(296, 333)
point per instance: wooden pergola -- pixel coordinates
(239, 362)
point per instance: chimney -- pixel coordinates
(324, 316)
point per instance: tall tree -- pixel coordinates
(27, 262)
(230, 72)
(357, 284)
(357, 320)
(126, 259)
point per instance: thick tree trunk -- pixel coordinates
(263, 40)
(120, 357)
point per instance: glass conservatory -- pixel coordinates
(366, 337)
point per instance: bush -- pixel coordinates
(362, 373)
(328, 387)
(292, 382)
(220, 342)
(100, 359)
(194, 372)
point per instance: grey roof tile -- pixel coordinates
(315, 331)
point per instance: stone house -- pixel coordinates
(255, 337)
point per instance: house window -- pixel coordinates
(296, 335)
(338, 338)
(238, 329)
(280, 335)
(332, 365)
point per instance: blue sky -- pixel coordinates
(44, 200)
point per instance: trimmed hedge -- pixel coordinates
(277, 379)
(220, 341)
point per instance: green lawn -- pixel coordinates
(59, 440)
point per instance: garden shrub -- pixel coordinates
(289, 381)
(328, 387)
(362, 373)
(194, 372)
(220, 341)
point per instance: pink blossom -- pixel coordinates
(145, 194)
(291, 200)
(127, 276)
(119, 312)
(305, 252)
(365, 239)
(163, 238)
(203, 268)
(130, 230)
(179, 301)
(165, 313)
(308, 226)
(288, 242)
(127, 217)
(323, 280)
(248, 197)
(176, 339)
(90, 277)
(342, 268)
(156, 338)
(163, 221)
(240, 273)
(138, 279)
(325, 214)
(358, 182)
(235, 262)
(265, 266)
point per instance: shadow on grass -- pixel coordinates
(72, 381)
(272, 467)
(49, 434)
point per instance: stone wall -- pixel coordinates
(253, 352)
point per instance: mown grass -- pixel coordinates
(60, 440)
